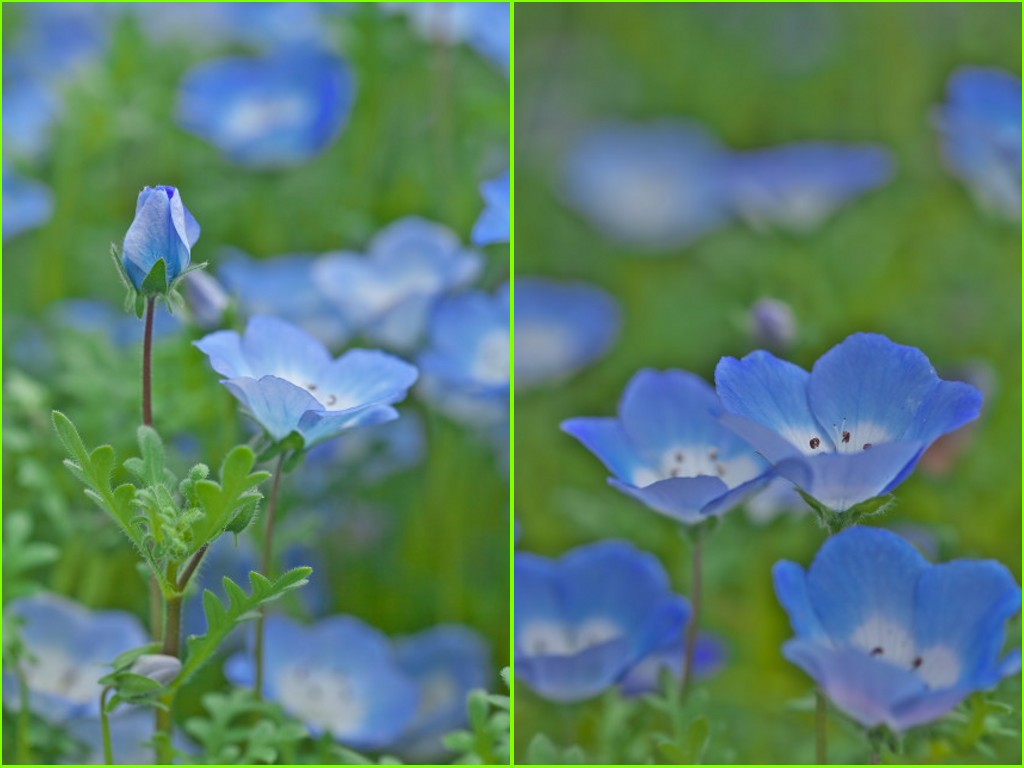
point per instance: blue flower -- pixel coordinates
(289, 383)
(658, 186)
(852, 429)
(388, 294)
(798, 186)
(163, 229)
(494, 224)
(94, 316)
(339, 676)
(62, 40)
(31, 107)
(667, 448)
(27, 204)
(70, 648)
(131, 731)
(981, 136)
(278, 110)
(446, 662)
(561, 327)
(484, 26)
(264, 25)
(891, 638)
(709, 657)
(582, 622)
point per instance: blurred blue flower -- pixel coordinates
(288, 382)
(27, 204)
(131, 731)
(69, 648)
(771, 323)
(582, 622)
(59, 41)
(668, 449)
(852, 429)
(446, 662)
(265, 25)
(339, 676)
(163, 229)
(387, 295)
(274, 111)
(486, 27)
(891, 638)
(777, 498)
(94, 316)
(31, 107)
(494, 224)
(657, 186)
(283, 286)
(709, 657)
(981, 136)
(561, 327)
(206, 299)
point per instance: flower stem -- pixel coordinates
(821, 732)
(147, 364)
(265, 565)
(690, 652)
(108, 743)
(171, 647)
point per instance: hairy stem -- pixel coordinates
(690, 651)
(147, 364)
(265, 566)
(108, 743)
(171, 647)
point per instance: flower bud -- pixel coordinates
(772, 324)
(163, 230)
(157, 666)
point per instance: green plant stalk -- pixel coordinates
(690, 650)
(171, 647)
(155, 593)
(108, 743)
(265, 565)
(821, 729)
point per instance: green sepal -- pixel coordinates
(834, 521)
(156, 281)
(293, 442)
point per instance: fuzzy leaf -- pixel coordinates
(234, 496)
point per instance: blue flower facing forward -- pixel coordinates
(890, 638)
(163, 230)
(668, 449)
(494, 224)
(851, 429)
(582, 622)
(289, 383)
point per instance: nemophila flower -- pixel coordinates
(709, 657)
(59, 41)
(31, 107)
(658, 186)
(27, 204)
(486, 27)
(945, 452)
(667, 448)
(265, 25)
(798, 186)
(283, 286)
(980, 126)
(388, 293)
(494, 224)
(69, 650)
(131, 734)
(339, 676)
(288, 382)
(582, 622)
(855, 426)
(890, 638)
(771, 323)
(273, 111)
(446, 662)
(163, 230)
(561, 327)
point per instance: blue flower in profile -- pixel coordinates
(273, 111)
(851, 429)
(163, 230)
(980, 126)
(668, 450)
(798, 186)
(494, 224)
(709, 657)
(339, 676)
(70, 649)
(582, 622)
(388, 294)
(27, 204)
(891, 638)
(288, 382)
(561, 327)
(657, 186)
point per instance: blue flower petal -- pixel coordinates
(278, 405)
(791, 588)
(682, 498)
(605, 438)
(273, 346)
(365, 376)
(317, 426)
(590, 671)
(224, 348)
(493, 226)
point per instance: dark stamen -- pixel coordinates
(877, 651)
(331, 400)
(846, 437)
(815, 442)
(679, 457)
(311, 387)
(918, 662)
(866, 446)
(713, 454)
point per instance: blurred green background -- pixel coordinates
(915, 260)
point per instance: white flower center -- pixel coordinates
(551, 638)
(938, 666)
(53, 671)
(254, 117)
(323, 698)
(697, 461)
(846, 437)
(491, 365)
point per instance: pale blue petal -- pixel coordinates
(277, 405)
(362, 376)
(278, 348)
(791, 589)
(149, 238)
(317, 426)
(918, 710)
(605, 438)
(224, 348)
(575, 678)
(682, 498)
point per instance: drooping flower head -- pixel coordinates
(890, 638)
(163, 230)
(851, 429)
(288, 381)
(494, 224)
(667, 448)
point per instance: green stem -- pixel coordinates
(108, 742)
(171, 647)
(147, 365)
(690, 652)
(821, 729)
(268, 554)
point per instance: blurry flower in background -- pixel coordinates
(206, 299)
(163, 230)
(31, 107)
(61, 41)
(657, 186)
(583, 621)
(890, 638)
(131, 731)
(980, 127)
(494, 224)
(27, 204)
(668, 450)
(561, 327)
(387, 294)
(779, 497)
(709, 657)
(272, 111)
(103, 319)
(484, 26)
(771, 324)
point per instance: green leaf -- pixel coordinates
(234, 497)
(541, 751)
(156, 281)
(697, 737)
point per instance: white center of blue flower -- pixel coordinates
(491, 364)
(255, 117)
(839, 438)
(53, 671)
(697, 461)
(437, 693)
(647, 200)
(553, 638)
(325, 699)
(890, 641)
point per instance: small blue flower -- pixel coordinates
(388, 294)
(131, 732)
(31, 107)
(582, 622)
(289, 383)
(855, 426)
(264, 25)
(274, 111)
(494, 224)
(658, 186)
(709, 657)
(561, 327)
(891, 638)
(163, 229)
(70, 648)
(981, 136)
(798, 186)
(27, 204)
(668, 449)
(60, 41)
(339, 676)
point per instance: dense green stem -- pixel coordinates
(265, 565)
(690, 651)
